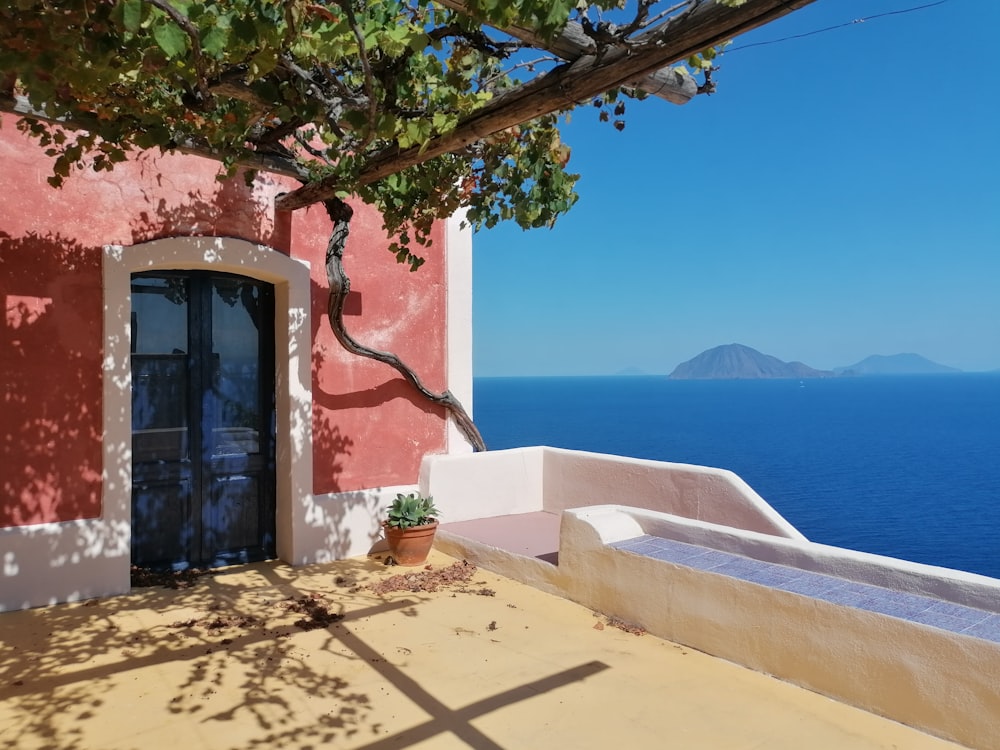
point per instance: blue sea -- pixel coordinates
(905, 466)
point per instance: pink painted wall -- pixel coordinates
(370, 428)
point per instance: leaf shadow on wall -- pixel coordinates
(232, 209)
(50, 370)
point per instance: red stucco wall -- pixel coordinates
(50, 377)
(370, 428)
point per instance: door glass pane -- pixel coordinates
(159, 368)
(237, 417)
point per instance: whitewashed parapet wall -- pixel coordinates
(525, 480)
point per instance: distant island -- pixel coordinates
(895, 364)
(739, 362)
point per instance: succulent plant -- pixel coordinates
(411, 510)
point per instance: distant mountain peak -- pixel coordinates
(895, 364)
(741, 362)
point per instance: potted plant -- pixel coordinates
(410, 527)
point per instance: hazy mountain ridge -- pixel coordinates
(739, 362)
(895, 364)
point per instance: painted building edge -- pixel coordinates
(66, 257)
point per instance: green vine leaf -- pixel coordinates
(171, 39)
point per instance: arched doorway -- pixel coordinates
(203, 419)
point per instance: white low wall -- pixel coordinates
(524, 480)
(575, 479)
(482, 485)
(944, 683)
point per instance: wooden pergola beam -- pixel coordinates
(572, 43)
(708, 24)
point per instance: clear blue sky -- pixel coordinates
(839, 196)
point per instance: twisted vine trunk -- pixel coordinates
(341, 213)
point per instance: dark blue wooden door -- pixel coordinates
(202, 419)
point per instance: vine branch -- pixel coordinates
(341, 213)
(192, 32)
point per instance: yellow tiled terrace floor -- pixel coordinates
(223, 665)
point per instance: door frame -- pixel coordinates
(293, 376)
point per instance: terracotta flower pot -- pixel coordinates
(410, 546)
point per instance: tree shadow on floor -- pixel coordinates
(250, 657)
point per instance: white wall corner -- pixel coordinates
(458, 315)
